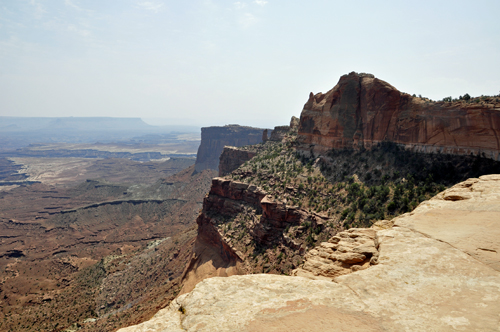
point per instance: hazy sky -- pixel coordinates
(247, 62)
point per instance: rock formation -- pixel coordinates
(231, 158)
(361, 111)
(348, 251)
(433, 274)
(279, 133)
(436, 268)
(213, 140)
(218, 252)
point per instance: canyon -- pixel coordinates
(374, 212)
(349, 219)
(98, 249)
(94, 233)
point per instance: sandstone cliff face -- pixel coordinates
(213, 140)
(231, 158)
(361, 111)
(434, 273)
(223, 250)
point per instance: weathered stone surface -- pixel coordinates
(349, 251)
(213, 140)
(231, 158)
(361, 111)
(420, 284)
(423, 280)
(263, 303)
(470, 221)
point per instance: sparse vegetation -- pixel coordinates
(351, 188)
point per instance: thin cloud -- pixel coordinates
(261, 2)
(240, 5)
(247, 20)
(151, 5)
(81, 32)
(69, 3)
(39, 10)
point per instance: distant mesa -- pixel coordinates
(213, 140)
(362, 111)
(73, 123)
(17, 132)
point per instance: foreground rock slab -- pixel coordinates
(467, 216)
(420, 284)
(262, 303)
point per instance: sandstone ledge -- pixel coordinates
(420, 284)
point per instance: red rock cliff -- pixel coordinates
(361, 111)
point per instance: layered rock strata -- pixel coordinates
(349, 251)
(231, 158)
(437, 271)
(216, 251)
(361, 111)
(213, 140)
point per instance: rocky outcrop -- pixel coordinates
(294, 123)
(437, 271)
(213, 140)
(361, 111)
(231, 158)
(226, 198)
(349, 251)
(279, 133)
(218, 252)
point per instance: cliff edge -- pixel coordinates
(432, 274)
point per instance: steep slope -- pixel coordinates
(264, 215)
(300, 203)
(361, 111)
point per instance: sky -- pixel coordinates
(207, 62)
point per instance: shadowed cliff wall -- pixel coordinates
(213, 140)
